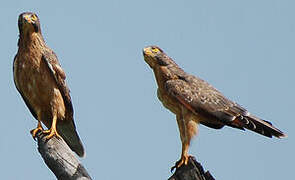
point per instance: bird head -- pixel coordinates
(155, 56)
(28, 23)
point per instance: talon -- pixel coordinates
(36, 130)
(51, 132)
(183, 161)
(186, 159)
(172, 168)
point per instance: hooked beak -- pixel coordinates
(147, 51)
(28, 19)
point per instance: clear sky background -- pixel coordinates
(243, 48)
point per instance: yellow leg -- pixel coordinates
(38, 128)
(184, 155)
(186, 130)
(52, 131)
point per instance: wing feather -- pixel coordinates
(201, 97)
(67, 128)
(50, 58)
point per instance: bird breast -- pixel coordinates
(37, 85)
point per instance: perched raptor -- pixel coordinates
(40, 80)
(194, 102)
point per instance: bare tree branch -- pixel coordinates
(192, 171)
(63, 163)
(60, 159)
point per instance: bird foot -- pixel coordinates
(35, 131)
(51, 132)
(183, 161)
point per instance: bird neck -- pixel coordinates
(163, 74)
(31, 40)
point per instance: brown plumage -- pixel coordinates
(40, 80)
(194, 102)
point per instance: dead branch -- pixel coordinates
(192, 171)
(60, 159)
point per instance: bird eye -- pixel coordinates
(34, 17)
(155, 50)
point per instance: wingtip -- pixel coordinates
(82, 155)
(79, 149)
(283, 136)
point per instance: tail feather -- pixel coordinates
(69, 134)
(257, 125)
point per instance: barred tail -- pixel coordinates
(257, 125)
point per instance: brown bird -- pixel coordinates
(40, 80)
(195, 102)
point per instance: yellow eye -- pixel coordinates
(34, 17)
(155, 50)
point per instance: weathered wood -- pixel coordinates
(63, 163)
(192, 171)
(60, 159)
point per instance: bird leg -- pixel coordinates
(37, 129)
(184, 157)
(187, 129)
(190, 132)
(52, 131)
(185, 139)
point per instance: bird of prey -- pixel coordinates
(195, 102)
(40, 80)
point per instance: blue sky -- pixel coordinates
(243, 48)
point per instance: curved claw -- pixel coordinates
(172, 168)
(182, 161)
(36, 130)
(51, 132)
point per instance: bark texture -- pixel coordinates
(192, 171)
(60, 159)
